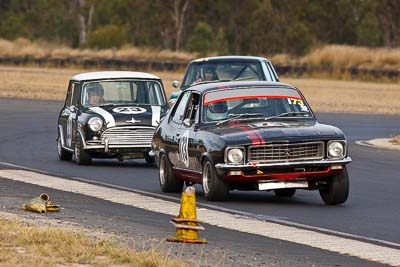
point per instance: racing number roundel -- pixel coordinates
(183, 149)
(129, 110)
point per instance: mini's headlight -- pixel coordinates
(235, 155)
(95, 124)
(335, 149)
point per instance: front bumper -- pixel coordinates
(324, 162)
(107, 147)
(282, 171)
(122, 152)
(121, 138)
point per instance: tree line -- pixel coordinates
(257, 27)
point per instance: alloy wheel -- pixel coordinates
(162, 170)
(206, 177)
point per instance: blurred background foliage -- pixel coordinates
(257, 27)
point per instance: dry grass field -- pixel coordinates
(345, 56)
(348, 56)
(29, 245)
(336, 56)
(323, 95)
(25, 48)
(350, 96)
(396, 140)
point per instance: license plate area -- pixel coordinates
(282, 184)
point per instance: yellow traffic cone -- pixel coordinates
(41, 204)
(37, 204)
(187, 225)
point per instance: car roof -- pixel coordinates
(99, 75)
(228, 58)
(210, 86)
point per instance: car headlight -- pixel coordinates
(95, 124)
(235, 155)
(336, 149)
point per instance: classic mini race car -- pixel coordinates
(250, 136)
(110, 114)
(225, 68)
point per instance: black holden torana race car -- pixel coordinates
(250, 136)
(110, 114)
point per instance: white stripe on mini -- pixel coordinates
(156, 111)
(109, 119)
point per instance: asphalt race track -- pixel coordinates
(28, 138)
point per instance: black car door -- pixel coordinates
(67, 116)
(173, 131)
(188, 146)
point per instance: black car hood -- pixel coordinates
(129, 115)
(261, 132)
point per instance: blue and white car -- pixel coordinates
(225, 68)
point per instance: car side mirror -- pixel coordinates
(72, 109)
(187, 123)
(175, 84)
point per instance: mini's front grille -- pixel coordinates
(286, 152)
(129, 136)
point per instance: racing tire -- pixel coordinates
(62, 153)
(81, 156)
(169, 183)
(337, 189)
(213, 187)
(285, 192)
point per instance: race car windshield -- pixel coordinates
(253, 103)
(122, 92)
(223, 71)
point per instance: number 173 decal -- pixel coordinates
(294, 101)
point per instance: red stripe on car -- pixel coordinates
(248, 97)
(255, 137)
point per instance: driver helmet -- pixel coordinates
(95, 88)
(217, 111)
(94, 94)
(210, 72)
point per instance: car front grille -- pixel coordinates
(129, 136)
(286, 152)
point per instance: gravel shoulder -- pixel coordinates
(145, 230)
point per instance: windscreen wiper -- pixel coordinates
(287, 114)
(240, 116)
(212, 81)
(118, 104)
(244, 78)
(107, 105)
